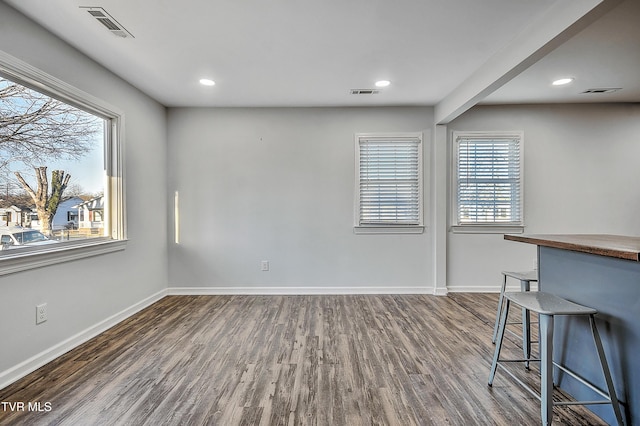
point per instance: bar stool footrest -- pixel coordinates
(537, 394)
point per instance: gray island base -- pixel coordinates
(602, 272)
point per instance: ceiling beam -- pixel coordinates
(561, 22)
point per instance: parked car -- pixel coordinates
(15, 236)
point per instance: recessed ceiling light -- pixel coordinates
(382, 83)
(562, 81)
(207, 82)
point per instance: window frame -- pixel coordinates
(27, 258)
(485, 227)
(389, 228)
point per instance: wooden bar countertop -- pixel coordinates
(618, 246)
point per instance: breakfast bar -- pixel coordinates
(602, 272)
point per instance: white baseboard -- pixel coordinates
(302, 291)
(474, 289)
(440, 291)
(19, 371)
(486, 289)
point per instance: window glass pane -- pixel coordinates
(488, 180)
(51, 169)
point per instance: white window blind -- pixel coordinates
(389, 181)
(489, 189)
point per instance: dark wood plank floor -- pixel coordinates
(287, 360)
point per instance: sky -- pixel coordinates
(87, 172)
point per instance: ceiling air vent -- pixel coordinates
(364, 91)
(603, 90)
(101, 15)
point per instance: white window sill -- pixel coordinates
(487, 229)
(17, 260)
(389, 229)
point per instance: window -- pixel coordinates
(60, 150)
(488, 182)
(389, 183)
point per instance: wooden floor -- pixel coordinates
(287, 360)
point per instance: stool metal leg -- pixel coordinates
(525, 285)
(500, 301)
(605, 369)
(496, 354)
(546, 368)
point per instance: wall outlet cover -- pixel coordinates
(41, 313)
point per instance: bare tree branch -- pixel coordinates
(26, 186)
(35, 128)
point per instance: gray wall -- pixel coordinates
(245, 196)
(581, 175)
(277, 184)
(82, 293)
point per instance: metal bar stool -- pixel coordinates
(547, 306)
(525, 278)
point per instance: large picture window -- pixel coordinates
(60, 170)
(389, 183)
(488, 181)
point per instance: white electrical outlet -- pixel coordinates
(264, 265)
(41, 313)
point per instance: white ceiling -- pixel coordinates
(606, 54)
(312, 52)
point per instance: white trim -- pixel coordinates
(439, 291)
(382, 229)
(487, 229)
(302, 291)
(488, 288)
(28, 366)
(475, 289)
(65, 252)
(50, 85)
